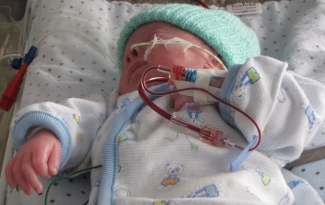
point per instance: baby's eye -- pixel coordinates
(151, 37)
(159, 36)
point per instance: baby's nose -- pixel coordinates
(135, 53)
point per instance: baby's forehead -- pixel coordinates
(154, 27)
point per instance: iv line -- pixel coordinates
(10, 55)
(66, 176)
(143, 87)
(76, 32)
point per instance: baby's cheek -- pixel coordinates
(156, 58)
(190, 60)
(195, 60)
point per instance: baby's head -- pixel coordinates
(219, 32)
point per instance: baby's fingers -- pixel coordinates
(20, 178)
(181, 101)
(9, 173)
(30, 174)
(39, 162)
(54, 160)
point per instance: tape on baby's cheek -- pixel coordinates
(149, 48)
(175, 46)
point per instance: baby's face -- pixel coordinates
(134, 64)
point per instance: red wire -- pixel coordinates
(168, 116)
(10, 94)
(203, 4)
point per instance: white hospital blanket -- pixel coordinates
(74, 59)
(294, 32)
(70, 65)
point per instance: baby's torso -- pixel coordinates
(160, 162)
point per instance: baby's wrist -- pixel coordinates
(32, 131)
(43, 132)
(46, 131)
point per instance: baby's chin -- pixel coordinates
(124, 89)
(127, 87)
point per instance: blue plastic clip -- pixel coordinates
(16, 63)
(30, 55)
(190, 75)
(243, 155)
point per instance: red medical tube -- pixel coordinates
(10, 94)
(210, 134)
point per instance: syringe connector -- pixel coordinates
(183, 74)
(214, 136)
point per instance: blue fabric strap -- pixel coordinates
(225, 92)
(243, 155)
(106, 189)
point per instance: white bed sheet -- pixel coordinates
(75, 42)
(73, 57)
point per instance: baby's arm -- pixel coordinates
(74, 123)
(287, 108)
(40, 156)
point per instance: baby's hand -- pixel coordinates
(187, 102)
(183, 101)
(39, 156)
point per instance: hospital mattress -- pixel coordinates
(76, 43)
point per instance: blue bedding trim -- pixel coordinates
(226, 90)
(106, 189)
(46, 120)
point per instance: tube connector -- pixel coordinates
(16, 63)
(10, 94)
(214, 136)
(30, 55)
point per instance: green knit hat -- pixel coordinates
(222, 31)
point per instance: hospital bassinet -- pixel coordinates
(76, 42)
